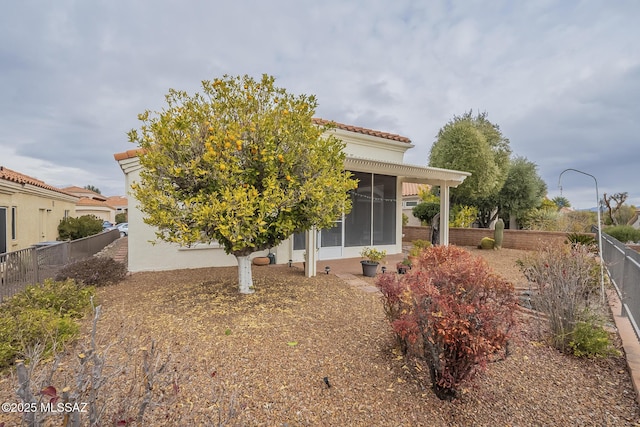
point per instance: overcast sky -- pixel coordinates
(560, 78)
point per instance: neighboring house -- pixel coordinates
(83, 192)
(98, 208)
(120, 203)
(92, 203)
(410, 199)
(30, 210)
(375, 158)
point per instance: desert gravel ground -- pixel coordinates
(262, 360)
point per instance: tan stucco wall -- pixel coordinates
(39, 212)
(104, 213)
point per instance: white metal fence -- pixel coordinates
(623, 266)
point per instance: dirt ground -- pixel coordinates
(267, 359)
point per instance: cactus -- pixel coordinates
(498, 234)
(486, 243)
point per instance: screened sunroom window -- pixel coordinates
(372, 220)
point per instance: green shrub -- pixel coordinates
(581, 239)
(42, 314)
(64, 297)
(425, 211)
(94, 271)
(417, 246)
(121, 217)
(591, 340)
(77, 228)
(623, 233)
(42, 325)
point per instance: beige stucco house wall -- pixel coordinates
(92, 203)
(369, 152)
(31, 210)
(410, 199)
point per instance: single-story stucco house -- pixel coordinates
(375, 158)
(30, 210)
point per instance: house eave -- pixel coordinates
(407, 172)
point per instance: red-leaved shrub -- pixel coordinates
(452, 311)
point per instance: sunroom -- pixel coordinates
(375, 158)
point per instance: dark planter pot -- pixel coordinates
(402, 268)
(369, 268)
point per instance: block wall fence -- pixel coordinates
(513, 239)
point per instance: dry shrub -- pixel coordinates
(452, 312)
(94, 271)
(568, 289)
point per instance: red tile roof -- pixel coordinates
(83, 192)
(364, 131)
(129, 154)
(412, 189)
(19, 178)
(117, 201)
(87, 201)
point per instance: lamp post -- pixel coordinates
(599, 225)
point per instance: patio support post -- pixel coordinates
(444, 214)
(311, 237)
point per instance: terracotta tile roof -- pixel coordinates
(83, 192)
(412, 189)
(117, 201)
(19, 178)
(364, 131)
(88, 201)
(129, 154)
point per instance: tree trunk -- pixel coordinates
(245, 281)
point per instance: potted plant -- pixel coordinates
(372, 259)
(416, 249)
(403, 266)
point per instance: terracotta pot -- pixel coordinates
(261, 260)
(414, 260)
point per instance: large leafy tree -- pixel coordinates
(522, 190)
(242, 164)
(473, 144)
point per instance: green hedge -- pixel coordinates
(46, 313)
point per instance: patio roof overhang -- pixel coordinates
(407, 172)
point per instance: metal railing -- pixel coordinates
(21, 268)
(623, 267)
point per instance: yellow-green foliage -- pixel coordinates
(591, 340)
(464, 217)
(373, 255)
(417, 246)
(243, 164)
(426, 195)
(44, 314)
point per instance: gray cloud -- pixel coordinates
(561, 79)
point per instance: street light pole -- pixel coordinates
(599, 225)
